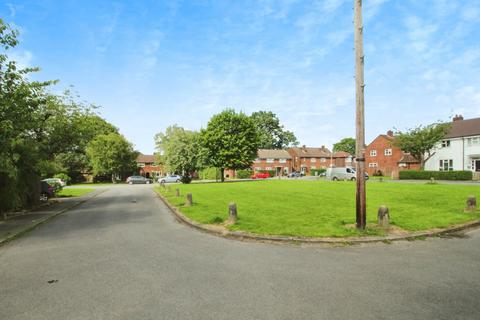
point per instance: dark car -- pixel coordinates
(138, 180)
(295, 174)
(46, 191)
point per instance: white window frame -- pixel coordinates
(445, 143)
(282, 160)
(268, 168)
(258, 168)
(313, 167)
(445, 165)
(373, 165)
(313, 160)
(388, 152)
(270, 160)
(373, 153)
(323, 160)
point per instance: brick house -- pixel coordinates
(270, 159)
(381, 155)
(148, 167)
(304, 159)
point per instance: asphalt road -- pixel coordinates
(121, 255)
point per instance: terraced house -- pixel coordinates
(304, 159)
(460, 149)
(270, 159)
(148, 167)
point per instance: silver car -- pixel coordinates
(170, 179)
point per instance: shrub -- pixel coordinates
(244, 174)
(437, 175)
(64, 177)
(317, 172)
(186, 179)
(378, 173)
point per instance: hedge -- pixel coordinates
(313, 172)
(437, 175)
(244, 174)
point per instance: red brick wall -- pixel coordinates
(262, 163)
(386, 164)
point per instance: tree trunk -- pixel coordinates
(222, 174)
(113, 178)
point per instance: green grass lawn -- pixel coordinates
(323, 208)
(74, 192)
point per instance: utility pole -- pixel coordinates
(361, 206)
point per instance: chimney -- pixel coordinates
(458, 117)
(390, 133)
(304, 147)
(323, 147)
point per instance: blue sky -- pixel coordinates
(150, 64)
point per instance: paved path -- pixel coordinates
(122, 256)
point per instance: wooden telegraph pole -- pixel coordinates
(360, 117)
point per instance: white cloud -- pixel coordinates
(22, 57)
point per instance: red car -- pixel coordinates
(260, 175)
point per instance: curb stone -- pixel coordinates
(46, 219)
(242, 235)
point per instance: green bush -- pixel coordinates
(186, 179)
(244, 174)
(317, 172)
(209, 174)
(64, 177)
(437, 175)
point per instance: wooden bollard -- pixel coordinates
(232, 213)
(471, 204)
(189, 200)
(383, 217)
(177, 192)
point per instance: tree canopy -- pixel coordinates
(271, 133)
(230, 141)
(111, 154)
(421, 141)
(180, 150)
(346, 145)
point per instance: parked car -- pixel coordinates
(47, 191)
(295, 174)
(138, 180)
(170, 178)
(343, 173)
(260, 175)
(55, 180)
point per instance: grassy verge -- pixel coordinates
(74, 192)
(323, 208)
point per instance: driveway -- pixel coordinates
(121, 255)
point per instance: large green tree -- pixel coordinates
(421, 141)
(230, 141)
(111, 154)
(346, 145)
(271, 133)
(180, 150)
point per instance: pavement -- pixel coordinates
(121, 255)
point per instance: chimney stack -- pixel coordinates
(458, 117)
(390, 133)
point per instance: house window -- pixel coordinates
(446, 165)
(313, 160)
(283, 160)
(270, 160)
(313, 167)
(373, 165)
(445, 143)
(373, 153)
(323, 160)
(258, 168)
(141, 165)
(268, 168)
(258, 160)
(473, 141)
(388, 152)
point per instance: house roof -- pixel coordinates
(408, 158)
(341, 154)
(146, 158)
(273, 154)
(464, 128)
(307, 152)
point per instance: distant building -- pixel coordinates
(460, 149)
(270, 159)
(304, 159)
(148, 167)
(382, 156)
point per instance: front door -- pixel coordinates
(477, 165)
(279, 171)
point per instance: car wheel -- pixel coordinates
(353, 179)
(44, 197)
(162, 181)
(178, 180)
(147, 182)
(335, 179)
(130, 182)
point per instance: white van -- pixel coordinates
(343, 173)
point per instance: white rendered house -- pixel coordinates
(460, 149)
